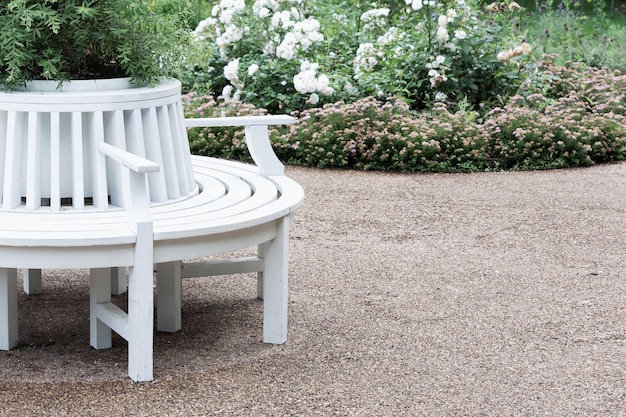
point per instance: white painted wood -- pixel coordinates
(31, 281)
(33, 156)
(141, 306)
(55, 161)
(98, 160)
(260, 282)
(154, 152)
(167, 148)
(275, 291)
(169, 296)
(8, 308)
(13, 161)
(257, 139)
(267, 120)
(112, 318)
(241, 206)
(60, 160)
(221, 267)
(99, 293)
(78, 189)
(118, 280)
(3, 146)
(129, 160)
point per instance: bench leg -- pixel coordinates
(259, 277)
(100, 292)
(8, 308)
(275, 284)
(169, 296)
(32, 281)
(118, 280)
(141, 307)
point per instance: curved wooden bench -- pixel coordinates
(238, 206)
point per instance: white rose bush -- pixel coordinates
(294, 54)
(264, 53)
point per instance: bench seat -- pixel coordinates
(233, 196)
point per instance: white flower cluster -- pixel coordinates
(523, 49)
(288, 34)
(366, 58)
(303, 34)
(374, 18)
(443, 37)
(418, 4)
(306, 81)
(231, 73)
(202, 31)
(442, 31)
(226, 9)
(390, 36)
(435, 72)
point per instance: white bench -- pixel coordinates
(237, 206)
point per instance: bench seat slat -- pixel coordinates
(201, 215)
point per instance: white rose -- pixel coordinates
(252, 69)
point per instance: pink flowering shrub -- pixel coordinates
(567, 116)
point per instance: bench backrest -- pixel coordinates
(49, 157)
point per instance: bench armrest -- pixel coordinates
(257, 137)
(267, 120)
(136, 195)
(129, 160)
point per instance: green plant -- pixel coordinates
(576, 32)
(287, 55)
(565, 117)
(81, 39)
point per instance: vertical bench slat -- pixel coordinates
(182, 131)
(14, 160)
(114, 134)
(78, 184)
(98, 160)
(168, 165)
(55, 161)
(158, 185)
(33, 163)
(3, 147)
(185, 181)
(135, 143)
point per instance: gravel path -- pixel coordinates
(489, 294)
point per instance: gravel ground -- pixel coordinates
(489, 294)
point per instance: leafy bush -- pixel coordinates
(286, 55)
(80, 39)
(578, 31)
(569, 116)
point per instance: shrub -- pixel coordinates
(81, 39)
(286, 55)
(567, 116)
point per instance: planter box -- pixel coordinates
(49, 136)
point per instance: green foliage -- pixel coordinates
(286, 55)
(570, 116)
(587, 34)
(81, 39)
